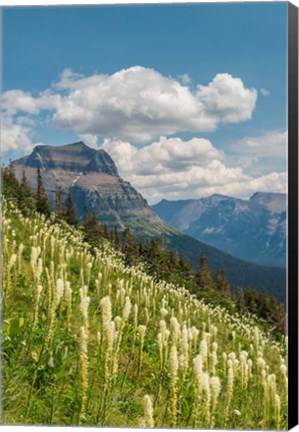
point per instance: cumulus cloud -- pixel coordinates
(176, 169)
(139, 104)
(136, 104)
(270, 144)
(16, 137)
(19, 112)
(227, 99)
(162, 156)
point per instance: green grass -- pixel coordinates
(43, 365)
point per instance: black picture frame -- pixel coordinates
(292, 264)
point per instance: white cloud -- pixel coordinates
(264, 92)
(177, 169)
(162, 156)
(227, 99)
(139, 104)
(19, 112)
(18, 101)
(270, 144)
(16, 137)
(90, 140)
(136, 104)
(185, 79)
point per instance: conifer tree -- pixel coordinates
(27, 201)
(105, 231)
(173, 258)
(204, 275)
(11, 185)
(92, 229)
(59, 206)
(222, 284)
(241, 303)
(42, 202)
(129, 247)
(70, 213)
(142, 246)
(116, 238)
(186, 268)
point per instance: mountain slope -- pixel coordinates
(253, 230)
(97, 186)
(87, 341)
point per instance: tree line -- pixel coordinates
(158, 260)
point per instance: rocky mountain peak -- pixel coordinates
(273, 201)
(76, 157)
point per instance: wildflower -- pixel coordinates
(207, 396)
(68, 299)
(230, 390)
(106, 312)
(203, 349)
(141, 330)
(261, 364)
(58, 293)
(173, 368)
(148, 411)
(215, 390)
(277, 408)
(83, 370)
(84, 311)
(184, 348)
(163, 312)
(12, 261)
(175, 330)
(127, 310)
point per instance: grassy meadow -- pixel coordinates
(89, 341)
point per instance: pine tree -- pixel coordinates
(241, 303)
(11, 187)
(27, 200)
(204, 277)
(59, 206)
(222, 284)
(186, 269)
(116, 238)
(92, 229)
(105, 231)
(42, 202)
(70, 213)
(85, 214)
(129, 247)
(173, 261)
(142, 246)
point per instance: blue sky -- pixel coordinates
(187, 45)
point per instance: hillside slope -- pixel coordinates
(89, 341)
(97, 186)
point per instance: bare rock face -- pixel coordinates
(95, 182)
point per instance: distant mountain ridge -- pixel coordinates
(97, 186)
(253, 230)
